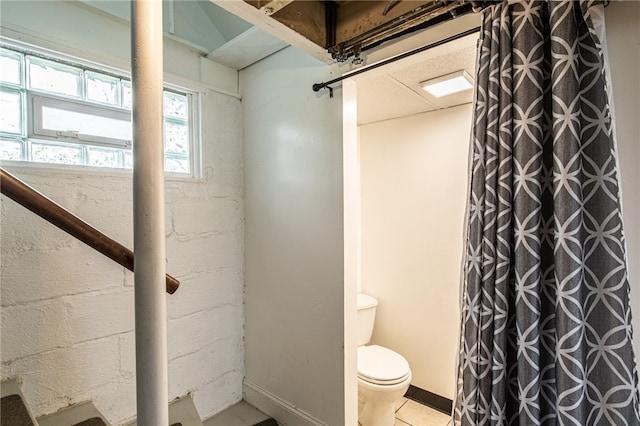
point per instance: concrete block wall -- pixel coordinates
(67, 311)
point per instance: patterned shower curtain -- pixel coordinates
(546, 322)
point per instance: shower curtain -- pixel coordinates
(546, 323)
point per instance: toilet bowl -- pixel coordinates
(383, 375)
(383, 378)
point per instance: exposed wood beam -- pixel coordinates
(346, 27)
(252, 15)
(366, 26)
(357, 17)
(306, 18)
(274, 6)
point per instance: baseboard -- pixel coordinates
(430, 399)
(283, 411)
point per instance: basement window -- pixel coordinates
(60, 112)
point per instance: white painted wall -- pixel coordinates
(413, 180)
(352, 245)
(294, 241)
(67, 312)
(623, 41)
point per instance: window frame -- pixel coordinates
(34, 99)
(36, 130)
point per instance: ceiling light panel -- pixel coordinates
(449, 84)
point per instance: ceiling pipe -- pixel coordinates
(426, 15)
(171, 11)
(148, 214)
(390, 5)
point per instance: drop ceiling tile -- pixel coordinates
(435, 67)
(384, 98)
(394, 90)
(413, 75)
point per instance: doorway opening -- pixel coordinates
(405, 172)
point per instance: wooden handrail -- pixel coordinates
(54, 213)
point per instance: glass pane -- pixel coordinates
(53, 77)
(10, 67)
(11, 150)
(58, 154)
(176, 138)
(102, 88)
(126, 94)
(104, 157)
(128, 160)
(175, 106)
(86, 124)
(176, 165)
(11, 107)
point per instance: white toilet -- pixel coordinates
(383, 375)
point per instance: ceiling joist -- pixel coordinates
(345, 28)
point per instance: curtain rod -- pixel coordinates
(317, 86)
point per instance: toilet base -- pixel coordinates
(376, 403)
(377, 414)
(379, 399)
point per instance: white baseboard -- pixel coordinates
(279, 409)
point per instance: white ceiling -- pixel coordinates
(247, 48)
(394, 91)
(206, 27)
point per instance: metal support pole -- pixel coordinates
(148, 216)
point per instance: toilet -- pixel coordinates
(383, 375)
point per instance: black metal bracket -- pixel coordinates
(316, 87)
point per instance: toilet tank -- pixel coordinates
(366, 317)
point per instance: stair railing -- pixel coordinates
(57, 215)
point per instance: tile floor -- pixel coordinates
(240, 414)
(408, 413)
(413, 413)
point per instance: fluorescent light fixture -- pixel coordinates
(449, 84)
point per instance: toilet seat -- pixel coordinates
(381, 366)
